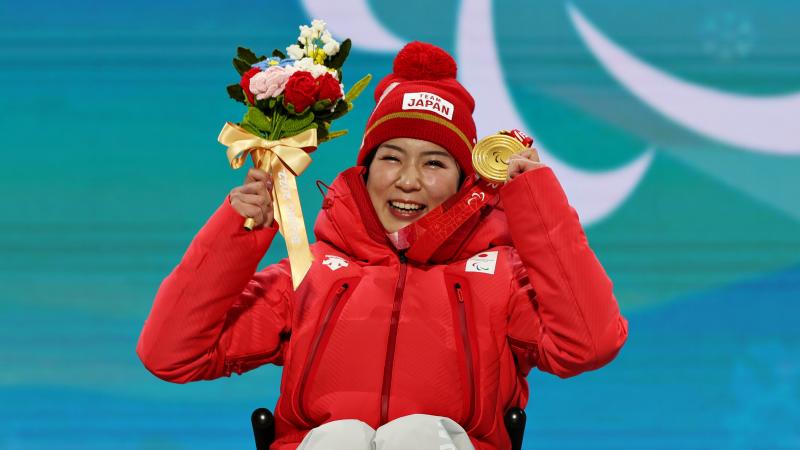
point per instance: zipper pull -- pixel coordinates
(403, 258)
(458, 293)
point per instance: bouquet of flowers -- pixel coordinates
(287, 95)
(292, 98)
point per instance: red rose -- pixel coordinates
(245, 83)
(300, 91)
(329, 88)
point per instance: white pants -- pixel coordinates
(417, 431)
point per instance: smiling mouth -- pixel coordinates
(410, 208)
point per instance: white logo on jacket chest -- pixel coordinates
(482, 262)
(334, 262)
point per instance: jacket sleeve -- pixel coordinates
(212, 315)
(563, 317)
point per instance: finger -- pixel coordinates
(268, 218)
(259, 186)
(520, 166)
(268, 182)
(248, 210)
(251, 199)
(513, 169)
(514, 157)
(525, 154)
(254, 199)
(256, 187)
(255, 174)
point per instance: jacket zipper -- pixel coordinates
(467, 344)
(312, 354)
(393, 324)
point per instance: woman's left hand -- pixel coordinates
(523, 162)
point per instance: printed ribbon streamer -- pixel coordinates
(284, 159)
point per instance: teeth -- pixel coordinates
(406, 206)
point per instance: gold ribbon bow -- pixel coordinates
(284, 159)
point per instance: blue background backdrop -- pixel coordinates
(110, 165)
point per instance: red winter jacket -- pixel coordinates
(372, 336)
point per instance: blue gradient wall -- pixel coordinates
(110, 165)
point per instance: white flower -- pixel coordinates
(304, 64)
(317, 25)
(331, 48)
(326, 37)
(295, 52)
(305, 32)
(307, 65)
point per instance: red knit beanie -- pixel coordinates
(421, 99)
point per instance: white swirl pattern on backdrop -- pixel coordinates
(767, 124)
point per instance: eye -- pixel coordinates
(390, 158)
(436, 163)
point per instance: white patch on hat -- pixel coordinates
(428, 102)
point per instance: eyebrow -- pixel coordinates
(425, 153)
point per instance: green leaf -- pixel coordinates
(338, 59)
(262, 105)
(322, 133)
(246, 55)
(335, 134)
(241, 66)
(356, 89)
(297, 123)
(235, 92)
(341, 109)
(322, 105)
(286, 133)
(290, 108)
(278, 53)
(327, 113)
(258, 119)
(251, 129)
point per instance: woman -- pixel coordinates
(418, 343)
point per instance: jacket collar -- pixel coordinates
(348, 222)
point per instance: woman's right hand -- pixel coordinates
(253, 198)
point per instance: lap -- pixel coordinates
(417, 431)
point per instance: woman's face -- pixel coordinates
(408, 178)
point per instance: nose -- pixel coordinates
(408, 180)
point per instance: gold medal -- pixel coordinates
(490, 156)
